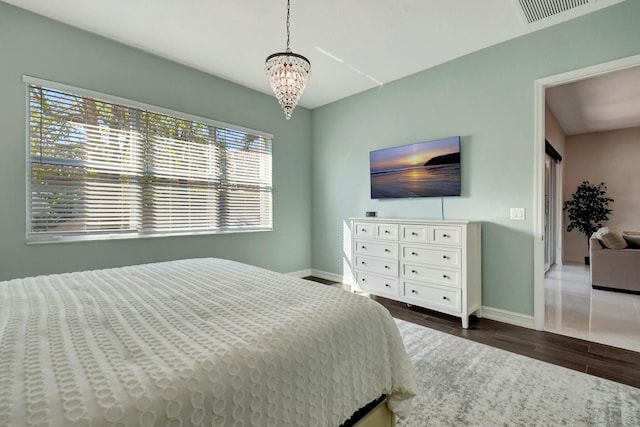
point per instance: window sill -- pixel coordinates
(49, 239)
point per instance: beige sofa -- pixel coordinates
(614, 269)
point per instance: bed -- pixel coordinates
(191, 343)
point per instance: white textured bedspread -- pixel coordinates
(192, 343)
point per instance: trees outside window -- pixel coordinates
(99, 168)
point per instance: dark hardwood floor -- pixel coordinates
(603, 361)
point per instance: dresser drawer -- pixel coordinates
(381, 266)
(377, 284)
(433, 295)
(364, 230)
(387, 231)
(445, 257)
(377, 248)
(432, 275)
(445, 235)
(414, 233)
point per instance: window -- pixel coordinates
(101, 167)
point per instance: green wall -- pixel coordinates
(488, 99)
(36, 46)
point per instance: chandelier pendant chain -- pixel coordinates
(288, 19)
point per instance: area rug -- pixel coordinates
(464, 383)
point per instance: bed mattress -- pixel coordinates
(191, 343)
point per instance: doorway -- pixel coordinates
(543, 217)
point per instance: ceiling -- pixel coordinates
(606, 102)
(352, 45)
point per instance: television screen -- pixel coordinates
(425, 169)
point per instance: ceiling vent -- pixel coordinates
(537, 10)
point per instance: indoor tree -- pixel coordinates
(587, 209)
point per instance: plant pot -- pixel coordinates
(587, 261)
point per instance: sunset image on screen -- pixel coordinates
(425, 169)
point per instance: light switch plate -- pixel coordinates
(517, 214)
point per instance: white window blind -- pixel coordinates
(102, 169)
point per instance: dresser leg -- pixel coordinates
(465, 322)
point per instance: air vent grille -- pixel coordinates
(535, 10)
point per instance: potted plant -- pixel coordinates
(587, 209)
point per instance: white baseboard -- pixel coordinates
(497, 314)
(301, 273)
(509, 317)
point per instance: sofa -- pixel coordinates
(614, 265)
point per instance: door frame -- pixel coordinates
(538, 167)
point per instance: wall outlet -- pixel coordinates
(517, 214)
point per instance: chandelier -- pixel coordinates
(288, 73)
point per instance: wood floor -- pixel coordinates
(615, 364)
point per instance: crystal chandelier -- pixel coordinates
(288, 73)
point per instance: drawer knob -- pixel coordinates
(444, 276)
(413, 233)
(363, 263)
(386, 285)
(445, 257)
(387, 267)
(387, 250)
(414, 271)
(387, 232)
(413, 291)
(446, 235)
(414, 253)
(363, 230)
(363, 279)
(445, 298)
(364, 247)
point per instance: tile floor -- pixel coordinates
(573, 308)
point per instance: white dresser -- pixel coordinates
(431, 264)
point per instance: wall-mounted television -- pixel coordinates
(424, 169)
